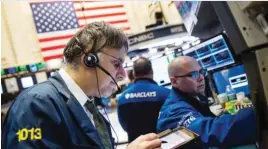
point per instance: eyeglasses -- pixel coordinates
(194, 74)
(118, 63)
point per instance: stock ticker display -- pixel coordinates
(211, 54)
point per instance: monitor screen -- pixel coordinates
(211, 54)
(23, 69)
(3, 72)
(13, 70)
(187, 11)
(27, 82)
(33, 68)
(160, 68)
(41, 66)
(235, 77)
(41, 77)
(11, 85)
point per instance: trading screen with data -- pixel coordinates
(211, 54)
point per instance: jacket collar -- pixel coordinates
(145, 80)
(75, 109)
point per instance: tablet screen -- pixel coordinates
(177, 138)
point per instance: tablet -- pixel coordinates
(172, 139)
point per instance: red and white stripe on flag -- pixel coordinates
(57, 22)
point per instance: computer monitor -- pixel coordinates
(11, 85)
(3, 72)
(41, 66)
(187, 11)
(23, 68)
(26, 82)
(13, 70)
(41, 77)
(160, 68)
(235, 77)
(211, 54)
(33, 67)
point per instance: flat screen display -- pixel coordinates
(187, 11)
(235, 77)
(27, 82)
(13, 70)
(40, 77)
(212, 54)
(3, 72)
(11, 85)
(23, 69)
(33, 68)
(160, 68)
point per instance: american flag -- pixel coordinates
(57, 22)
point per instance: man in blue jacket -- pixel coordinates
(188, 107)
(60, 113)
(139, 105)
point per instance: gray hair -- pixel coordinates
(93, 38)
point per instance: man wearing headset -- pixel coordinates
(60, 112)
(188, 107)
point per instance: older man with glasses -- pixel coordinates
(188, 107)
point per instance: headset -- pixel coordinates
(91, 60)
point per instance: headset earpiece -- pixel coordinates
(91, 60)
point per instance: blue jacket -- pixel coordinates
(47, 115)
(221, 132)
(139, 106)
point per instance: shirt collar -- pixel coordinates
(74, 88)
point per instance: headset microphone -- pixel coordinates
(105, 71)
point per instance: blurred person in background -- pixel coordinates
(139, 105)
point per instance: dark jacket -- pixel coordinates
(221, 132)
(139, 106)
(47, 115)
